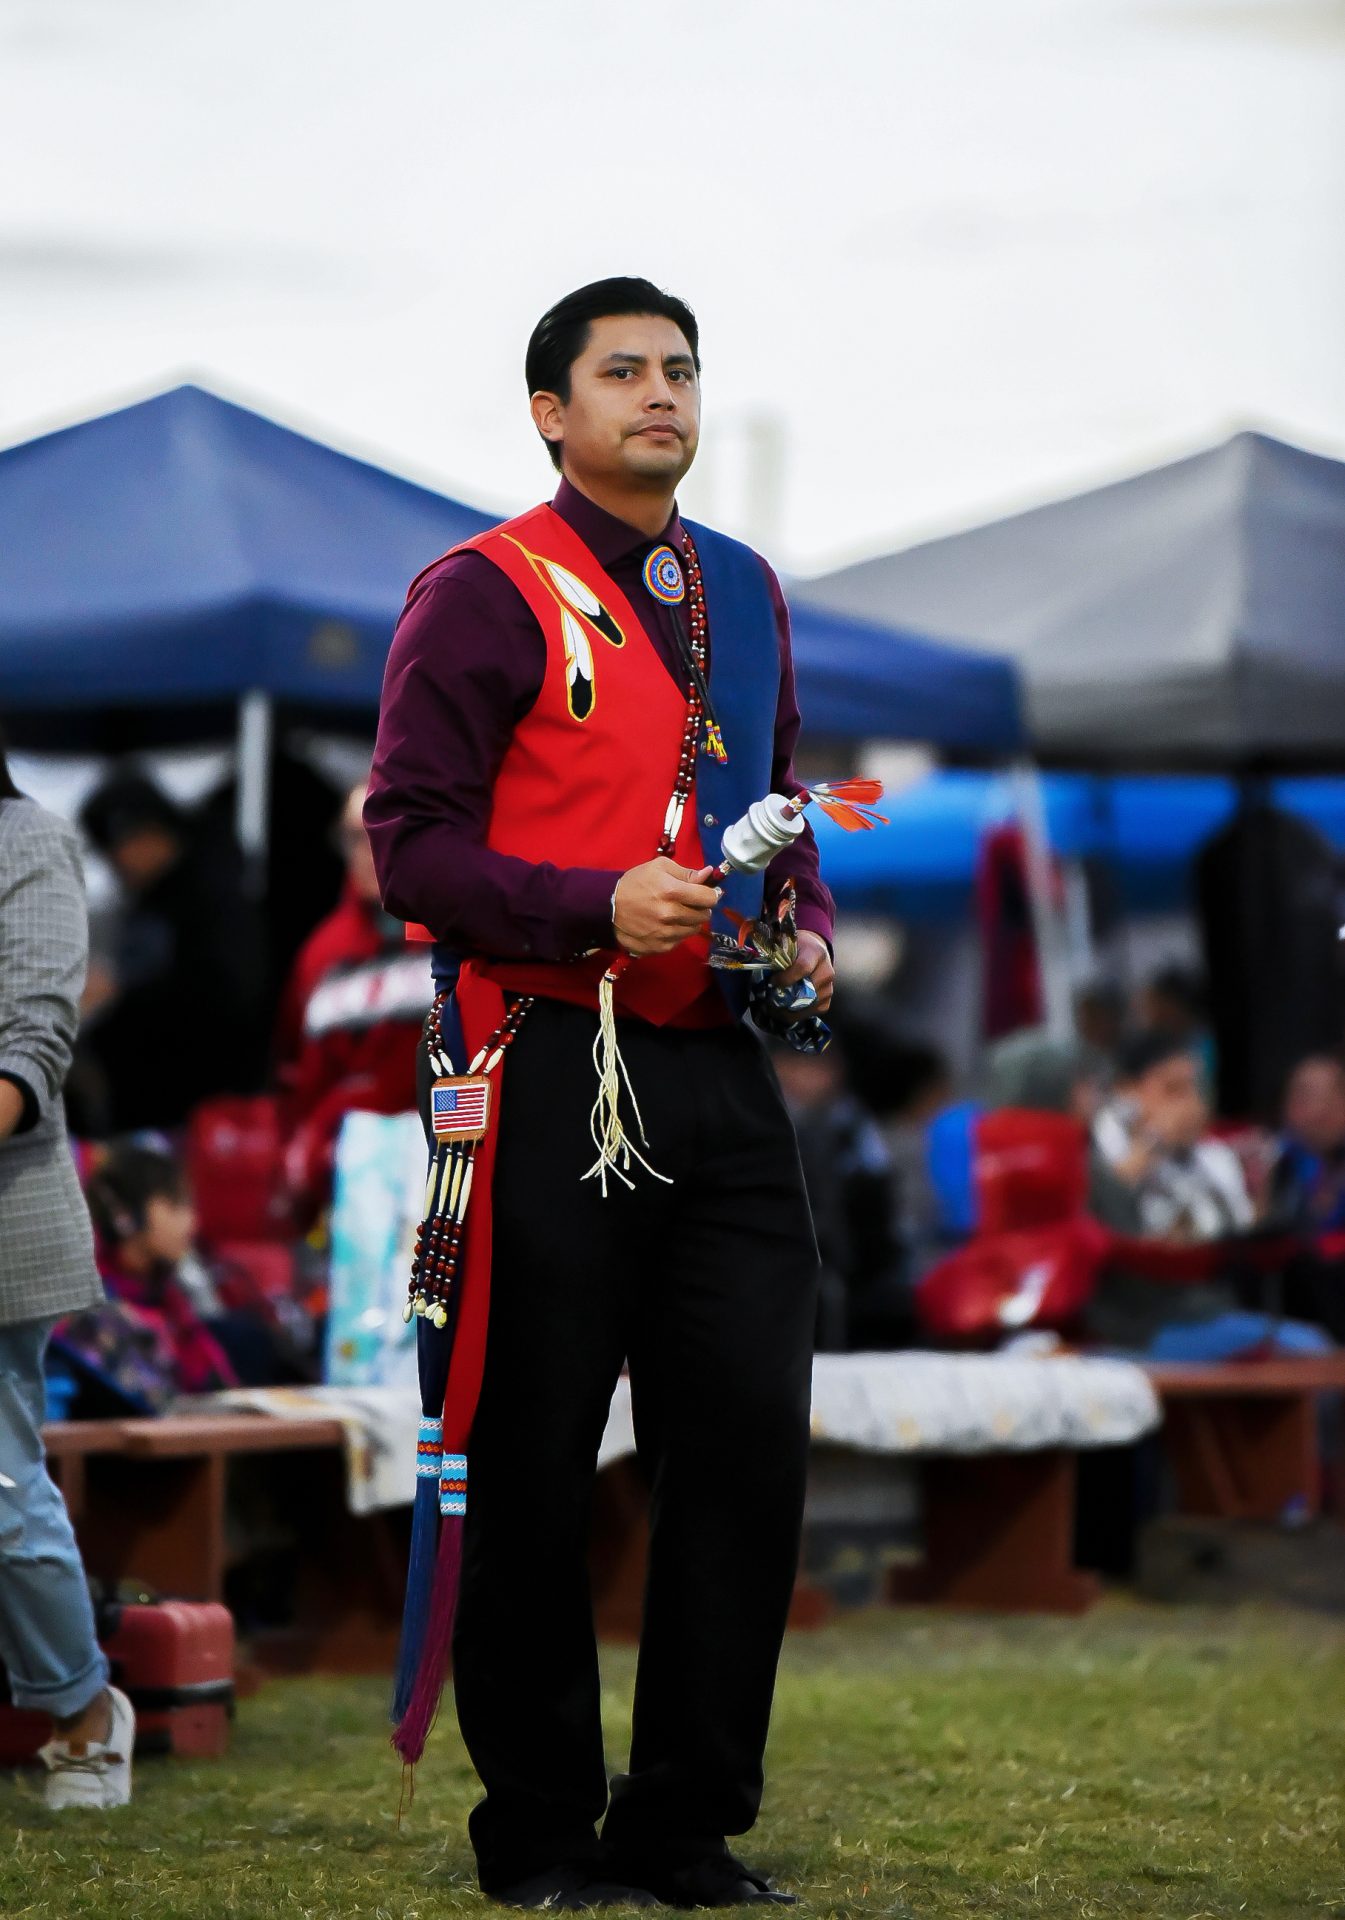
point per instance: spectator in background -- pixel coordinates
(47, 1638)
(170, 1325)
(183, 1014)
(1308, 1180)
(146, 1226)
(1307, 1191)
(350, 1021)
(927, 1090)
(865, 1301)
(1158, 1176)
(1174, 1004)
(356, 929)
(1046, 1076)
(1100, 1016)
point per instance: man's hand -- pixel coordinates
(657, 905)
(813, 963)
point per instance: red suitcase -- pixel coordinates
(175, 1661)
(22, 1732)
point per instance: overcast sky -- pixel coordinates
(962, 254)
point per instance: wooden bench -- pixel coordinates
(149, 1501)
(1242, 1437)
(999, 1535)
(147, 1497)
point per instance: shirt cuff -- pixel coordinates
(586, 908)
(32, 1112)
(809, 918)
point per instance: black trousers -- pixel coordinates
(708, 1289)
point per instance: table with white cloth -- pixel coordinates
(983, 1446)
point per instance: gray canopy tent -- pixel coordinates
(1193, 616)
(1190, 616)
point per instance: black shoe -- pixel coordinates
(572, 1890)
(719, 1881)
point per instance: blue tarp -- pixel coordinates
(858, 681)
(188, 550)
(1146, 830)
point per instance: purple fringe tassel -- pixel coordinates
(436, 1650)
(419, 1591)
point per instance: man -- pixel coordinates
(350, 1021)
(546, 797)
(357, 929)
(191, 959)
(1308, 1182)
(1173, 1002)
(1159, 1176)
(855, 1202)
(1307, 1191)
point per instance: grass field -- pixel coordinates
(1139, 1762)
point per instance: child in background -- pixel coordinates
(145, 1225)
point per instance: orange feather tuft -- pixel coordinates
(859, 788)
(851, 819)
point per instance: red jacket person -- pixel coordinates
(576, 705)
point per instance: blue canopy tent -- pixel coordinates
(188, 556)
(1148, 829)
(860, 681)
(187, 550)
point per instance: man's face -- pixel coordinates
(1171, 1102)
(1314, 1108)
(634, 409)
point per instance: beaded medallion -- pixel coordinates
(663, 577)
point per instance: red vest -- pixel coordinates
(590, 770)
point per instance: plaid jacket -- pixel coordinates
(46, 1242)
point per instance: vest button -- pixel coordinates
(710, 820)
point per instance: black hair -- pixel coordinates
(125, 804)
(1108, 996)
(8, 790)
(1182, 987)
(561, 334)
(1139, 1053)
(124, 1182)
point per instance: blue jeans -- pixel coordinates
(47, 1638)
(1229, 1334)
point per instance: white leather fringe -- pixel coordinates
(615, 1148)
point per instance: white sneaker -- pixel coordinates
(93, 1773)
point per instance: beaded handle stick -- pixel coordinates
(769, 825)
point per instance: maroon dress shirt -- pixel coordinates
(466, 665)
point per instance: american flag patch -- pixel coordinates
(460, 1108)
